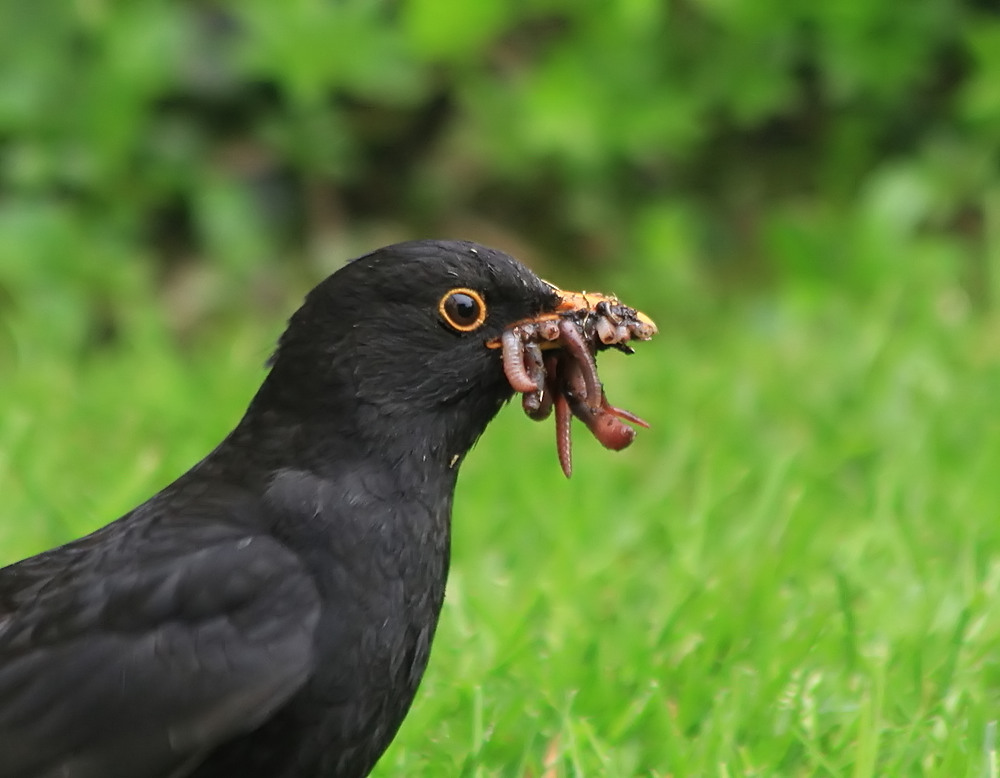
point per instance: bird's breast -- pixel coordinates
(379, 557)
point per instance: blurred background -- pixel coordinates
(796, 571)
(185, 151)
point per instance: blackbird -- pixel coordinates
(270, 613)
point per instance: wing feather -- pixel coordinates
(115, 662)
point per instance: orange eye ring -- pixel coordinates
(464, 310)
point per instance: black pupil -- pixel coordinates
(462, 309)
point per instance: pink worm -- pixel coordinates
(513, 361)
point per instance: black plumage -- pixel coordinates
(270, 613)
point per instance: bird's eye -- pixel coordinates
(463, 309)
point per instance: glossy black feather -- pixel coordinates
(271, 612)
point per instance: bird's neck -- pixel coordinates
(320, 430)
(422, 451)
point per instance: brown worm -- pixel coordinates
(610, 431)
(513, 361)
(574, 343)
(534, 403)
(534, 365)
(537, 405)
(573, 383)
(564, 443)
(606, 331)
(565, 378)
(621, 413)
(548, 329)
(551, 390)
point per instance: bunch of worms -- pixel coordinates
(551, 361)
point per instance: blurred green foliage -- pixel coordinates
(795, 570)
(146, 143)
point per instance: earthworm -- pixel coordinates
(548, 329)
(564, 443)
(584, 359)
(537, 405)
(572, 382)
(535, 368)
(606, 331)
(533, 363)
(621, 413)
(513, 361)
(551, 389)
(610, 431)
(566, 379)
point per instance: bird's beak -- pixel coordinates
(575, 303)
(565, 379)
(580, 305)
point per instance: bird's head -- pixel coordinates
(394, 343)
(416, 346)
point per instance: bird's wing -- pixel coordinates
(118, 662)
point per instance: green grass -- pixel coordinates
(794, 573)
